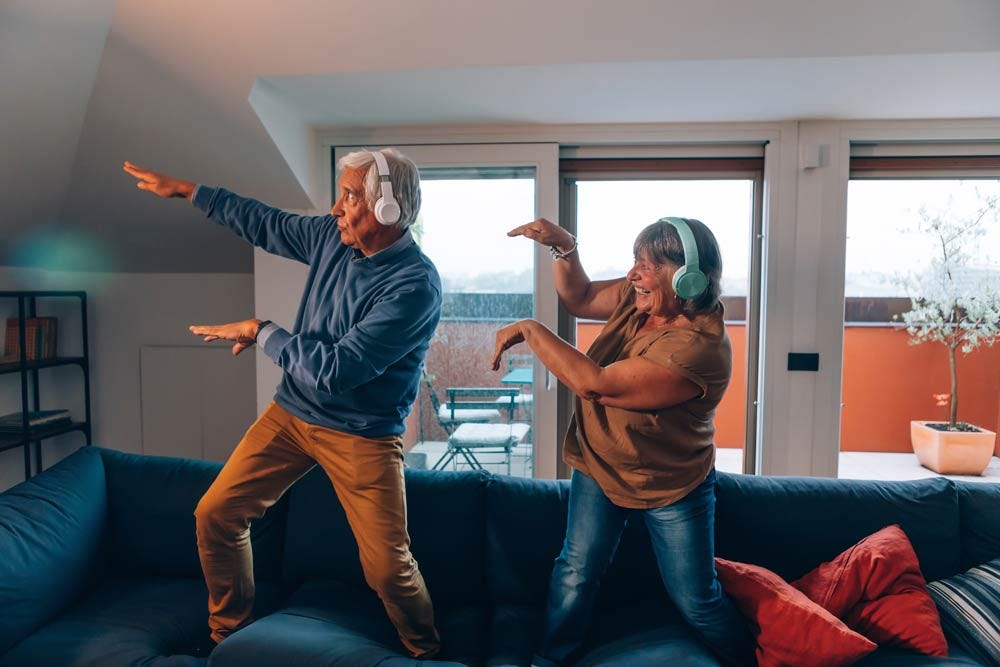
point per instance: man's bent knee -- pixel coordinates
(216, 515)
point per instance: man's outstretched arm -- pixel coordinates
(276, 231)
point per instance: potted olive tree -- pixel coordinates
(951, 306)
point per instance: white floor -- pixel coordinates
(853, 465)
(870, 465)
(878, 465)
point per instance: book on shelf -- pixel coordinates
(40, 336)
(14, 422)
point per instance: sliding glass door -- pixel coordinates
(609, 202)
(468, 415)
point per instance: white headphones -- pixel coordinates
(387, 209)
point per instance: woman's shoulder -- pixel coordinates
(702, 338)
(711, 324)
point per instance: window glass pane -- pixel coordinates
(610, 214)
(488, 281)
(918, 239)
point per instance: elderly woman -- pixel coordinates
(641, 438)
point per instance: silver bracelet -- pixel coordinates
(563, 255)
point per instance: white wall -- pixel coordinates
(278, 286)
(126, 312)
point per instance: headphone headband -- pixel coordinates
(387, 210)
(689, 282)
(691, 258)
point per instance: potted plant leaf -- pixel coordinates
(958, 305)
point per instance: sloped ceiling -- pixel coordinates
(228, 92)
(49, 56)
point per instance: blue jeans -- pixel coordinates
(684, 542)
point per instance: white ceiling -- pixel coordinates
(868, 87)
(227, 92)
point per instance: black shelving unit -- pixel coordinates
(31, 438)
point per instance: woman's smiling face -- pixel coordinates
(654, 292)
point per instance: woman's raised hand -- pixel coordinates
(545, 232)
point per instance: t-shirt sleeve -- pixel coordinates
(688, 354)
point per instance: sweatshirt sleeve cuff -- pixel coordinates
(272, 339)
(204, 197)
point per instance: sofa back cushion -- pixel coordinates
(526, 526)
(51, 528)
(792, 524)
(445, 520)
(788, 525)
(151, 503)
(979, 505)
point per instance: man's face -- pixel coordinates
(356, 221)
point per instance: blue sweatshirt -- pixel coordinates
(353, 360)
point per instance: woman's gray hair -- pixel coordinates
(403, 174)
(660, 243)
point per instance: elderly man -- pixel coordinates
(351, 371)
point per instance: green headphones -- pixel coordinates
(689, 282)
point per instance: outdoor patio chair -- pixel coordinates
(450, 418)
(468, 439)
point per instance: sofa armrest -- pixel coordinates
(51, 528)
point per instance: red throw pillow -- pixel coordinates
(791, 630)
(877, 588)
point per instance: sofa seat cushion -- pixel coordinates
(894, 657)
(328, 624)
(136, 621)
(643, 633)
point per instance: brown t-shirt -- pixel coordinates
(650, 458)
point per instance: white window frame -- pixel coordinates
(754, 287)
(822, 192)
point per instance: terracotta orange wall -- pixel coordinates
(887, 382)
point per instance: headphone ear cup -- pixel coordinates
(387, 211)
(689, 284)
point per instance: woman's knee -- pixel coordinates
(577, 570)
(700, 607)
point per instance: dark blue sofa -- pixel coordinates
(98, 565)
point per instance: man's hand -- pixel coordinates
(546, 233)
(159, 184)
(244, 333)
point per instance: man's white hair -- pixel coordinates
(403, 174)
